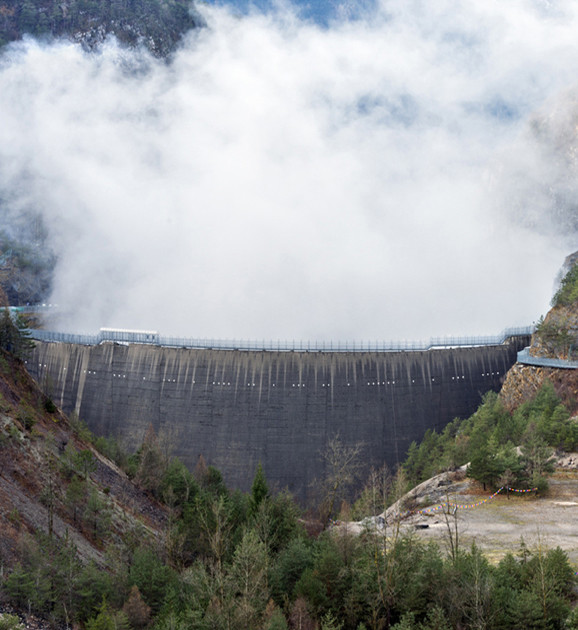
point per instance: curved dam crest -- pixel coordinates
(238, 408)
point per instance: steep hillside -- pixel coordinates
(156, 24)
(524, 381)
(556, 337)
(26, 267)
(55, 484)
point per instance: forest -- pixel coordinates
(156, 24)
(256, 560)
(232, 560)
(224, 559)
(502, 448)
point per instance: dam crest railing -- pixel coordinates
(525, 357)
(153, 338)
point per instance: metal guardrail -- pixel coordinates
(32, 308)
(59, 337)
(150, 337)
(526, 358)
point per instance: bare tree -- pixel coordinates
(153, 462)
(216, 527)
(384, 535)
(342, 469)
(50, 493)
(450, 512)
(375, 496)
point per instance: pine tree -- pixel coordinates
(107, 619)
(259, 490)
(14, 335)
(10, 622)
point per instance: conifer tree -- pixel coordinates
(259, 490)
(14, 335)
(136, 610)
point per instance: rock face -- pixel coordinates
(556, 337)
(239, 408)
(523, 381)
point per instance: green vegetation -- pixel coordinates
(567, 294)
(14, 335)
(489, 441)
(10, 622)
(227, 560)
(232, 560)
(557, 334)
(156, 24)
(235, 561)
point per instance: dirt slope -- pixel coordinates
(36, 443)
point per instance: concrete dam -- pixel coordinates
(237, 408)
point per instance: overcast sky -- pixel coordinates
(404, 174)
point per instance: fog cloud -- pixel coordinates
(406, 174)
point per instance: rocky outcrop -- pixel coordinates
(523, 382)
(556, 337)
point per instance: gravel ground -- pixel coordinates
(500, 524)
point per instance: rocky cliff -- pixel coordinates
(556, 337)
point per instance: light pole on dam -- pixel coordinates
(238, 408)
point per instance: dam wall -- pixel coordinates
(238, 408)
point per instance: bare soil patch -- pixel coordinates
(500, 524)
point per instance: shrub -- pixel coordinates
(49, 405)
(9, 622)
(567, 294)
(28, 421)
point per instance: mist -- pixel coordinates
(406, 173)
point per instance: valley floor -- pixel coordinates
(500, 524)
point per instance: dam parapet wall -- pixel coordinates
(153, 337)
(237, 408)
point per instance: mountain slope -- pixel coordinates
(556, 337)
(54, 483)
(156, 24)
